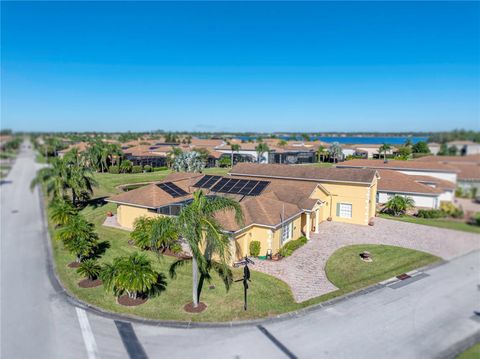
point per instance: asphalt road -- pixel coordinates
(420, 319)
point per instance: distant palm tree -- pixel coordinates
(261, 148)
(61, 211)
(172, 154)
(282, 143)
(384, 148)
(235, 148)
(206, 238)
(321, 153)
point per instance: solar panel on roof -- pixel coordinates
(218, 186)
(248, 187)
(258, 188)
(172, 189)
(211, 181)
(202, 182)
(240, 186)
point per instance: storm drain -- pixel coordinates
(405, 279)
(403, 276)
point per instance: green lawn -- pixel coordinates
(268, 296)
(348, 272)
(472, 353)
(437, 222)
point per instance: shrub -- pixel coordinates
(156, 169)
(398, 205)
(476, 219)
(137, 169)
(430, 213)
(254, 248)
(289, 247)
(147, 168)
(90, 269)
(450, 210)
(114, 170)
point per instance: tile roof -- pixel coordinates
(439, 183)
(394, 181)
(304, 172)
(397, 164)
(280, 196)
(450, 159)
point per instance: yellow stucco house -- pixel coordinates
(279, 202)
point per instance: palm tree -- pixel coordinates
(235, 148)
(198, 226)
(54, 177)
(261, 148)
(78, 237)
(61, 211)
(321, 153)
(126, 166)
(141, 233)
(90, 269)
(164, 235)
(398, 205)
(335, 151)
(384, 148)
(133, 274)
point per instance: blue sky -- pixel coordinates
(231, 66)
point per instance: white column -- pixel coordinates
(317, 219)
(308, 226)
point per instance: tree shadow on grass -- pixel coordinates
(100, 250)
(94, 203)
(159, 287)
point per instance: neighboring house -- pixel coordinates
(80, 146)
(151, 155)
(426, 191)
(468, 168)
(416, 168)
(465, 147)
(371, 151)
(434, 147)
(279, 202)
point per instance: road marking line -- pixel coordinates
(277, 343)
(87, 333)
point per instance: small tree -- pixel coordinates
(61, 211)
(261, 148)
(321, 153)
(398, 205)
(78, 237)
(126, 166)
(384, 148)
(235, 148)
(133, 274)
(420, 147)
(90, 269)
(255, 248)
(188, 162)
(335, 151)
(225, 162)
(141, 233)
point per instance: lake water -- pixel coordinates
(356, 140)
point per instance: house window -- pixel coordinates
(287, 232)
(344, 210)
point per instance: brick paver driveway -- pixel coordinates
(304, 271)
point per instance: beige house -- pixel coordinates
(279, 202)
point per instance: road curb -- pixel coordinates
(73, 300)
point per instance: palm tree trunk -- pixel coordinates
(194, 282)
(231, 160)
